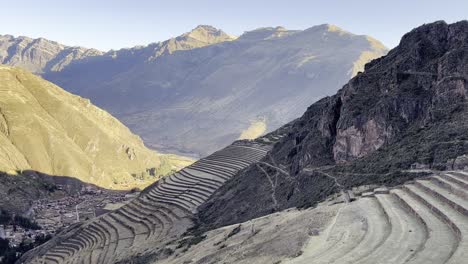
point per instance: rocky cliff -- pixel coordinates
(407, 110)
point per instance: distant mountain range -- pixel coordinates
(40, 55)
(200, 91)
(46, 129)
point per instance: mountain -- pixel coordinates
(46, 129)
(40, 55)
(408, 109)
(202, 90)
(356, 179)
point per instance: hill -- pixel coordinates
(46, 129)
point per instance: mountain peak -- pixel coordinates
(439, 34)
(266, 33)
(328, 28)
(428, 41)
(334, 28)
(208, 34)
(205, 28)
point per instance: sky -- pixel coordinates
(115, 24)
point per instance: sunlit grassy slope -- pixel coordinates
(44, 128)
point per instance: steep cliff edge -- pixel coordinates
(408, 109)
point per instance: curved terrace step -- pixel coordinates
(440, 239)
(457, 220)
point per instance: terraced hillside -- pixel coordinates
(161, 213)
(422, 221)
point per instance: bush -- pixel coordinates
(5, 217)
(234, 231)
(11, 254)
(188, 242)
(25, 223)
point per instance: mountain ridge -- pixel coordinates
(41, 55)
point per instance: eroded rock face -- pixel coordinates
(412, 84)
(356, 142)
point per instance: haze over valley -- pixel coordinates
(176, 93)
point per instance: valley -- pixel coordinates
(175, 93)
(71, 137)
(267, 146)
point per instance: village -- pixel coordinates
(52, 216)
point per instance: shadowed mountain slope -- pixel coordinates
(47, 129)
(407, 109)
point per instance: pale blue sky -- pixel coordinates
(107, 24)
